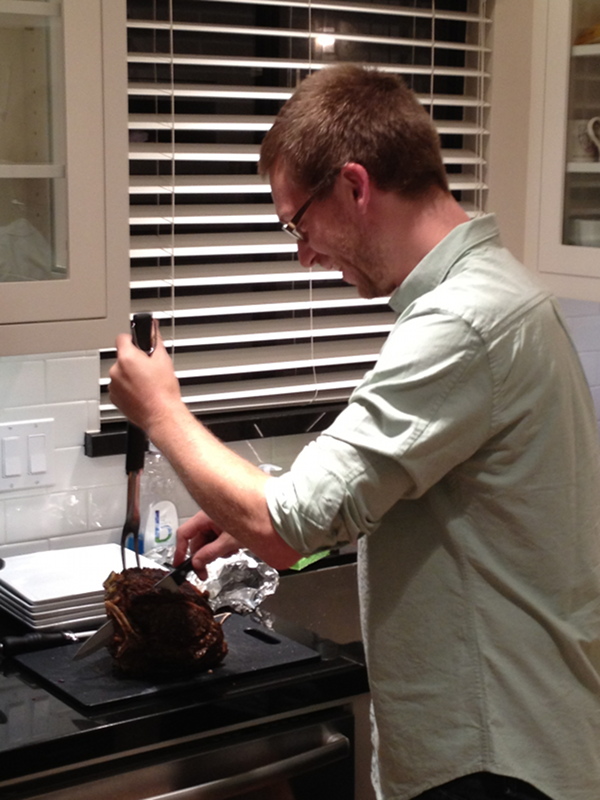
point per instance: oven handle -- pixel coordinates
(336, 747)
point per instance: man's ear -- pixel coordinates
(357, 181)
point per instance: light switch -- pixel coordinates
(36, 451)
(27, 454)
(11, 457)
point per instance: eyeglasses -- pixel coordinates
(291, 227)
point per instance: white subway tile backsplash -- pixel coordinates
(71, 420)
(20, 548)
(93, 415)
(22, 382)
(73, 378)
(85, 539)
(46, 515)
(107, 506)
(77, 470)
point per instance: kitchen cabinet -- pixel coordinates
(63, 175)
(563, 209)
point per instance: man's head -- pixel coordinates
(347, 114)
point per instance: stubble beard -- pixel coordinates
(362, 262)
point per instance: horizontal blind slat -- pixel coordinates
(340, 5)
(274, 391)
(198, 184)
(264, 330)
(250, 153)
(292, 33)
(267, 358)
(230, 122)
(231, 304)
(228, 274)
(195, 184)
(246, 63)
(216, 91)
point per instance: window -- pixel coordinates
(250, 330)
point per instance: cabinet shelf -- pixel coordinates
(583, 50)
(581, 167)
(32, 171)
(13, 11)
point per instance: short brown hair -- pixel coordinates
(350, 113)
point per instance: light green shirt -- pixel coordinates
(467, 467)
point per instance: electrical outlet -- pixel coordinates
(26, 454)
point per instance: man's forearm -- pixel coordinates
(228, 488)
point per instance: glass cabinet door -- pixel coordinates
(563, 207)
(32, 163)
(63, 174)
(581, 202)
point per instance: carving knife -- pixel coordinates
(37, 640)
(171, 582)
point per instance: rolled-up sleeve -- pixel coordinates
(333, 494)
(425, 408)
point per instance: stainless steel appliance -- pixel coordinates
(305, 757)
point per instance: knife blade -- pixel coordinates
(173, 579)
(171, 582)
(100, 639)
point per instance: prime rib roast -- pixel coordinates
(158, 632)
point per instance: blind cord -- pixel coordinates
(173, 173)
(311, 282)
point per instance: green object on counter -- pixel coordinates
(307, 560)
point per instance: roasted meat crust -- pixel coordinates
(158, 632)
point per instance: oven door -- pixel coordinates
(307, 757)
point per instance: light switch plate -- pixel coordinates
(26, 454)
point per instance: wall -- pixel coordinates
(86, 504)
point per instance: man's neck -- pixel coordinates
(412, 228)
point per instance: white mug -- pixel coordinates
(591, 132)
(580, 145)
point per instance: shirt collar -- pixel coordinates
(434, 268)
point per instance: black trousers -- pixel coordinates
(484, 786)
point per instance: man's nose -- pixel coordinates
(306, 255)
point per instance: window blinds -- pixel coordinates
(247, 326)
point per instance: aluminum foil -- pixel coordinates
(237, 583)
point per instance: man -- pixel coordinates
(465, 464)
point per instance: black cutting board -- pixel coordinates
(92, 681)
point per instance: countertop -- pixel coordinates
(44, 735)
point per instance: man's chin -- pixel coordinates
(366, 292)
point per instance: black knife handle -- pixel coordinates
(136, 449)
(13, 645)
(142, 333)
(179, 574)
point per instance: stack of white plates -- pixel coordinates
(61, 589)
